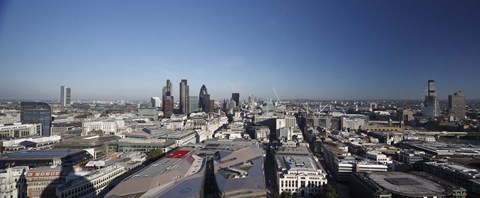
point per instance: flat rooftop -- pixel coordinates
(49, 154)
(406, 184)
(177, 134)
(178, 166)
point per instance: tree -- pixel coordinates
(329, 192)
(286, 194)
(154, 154)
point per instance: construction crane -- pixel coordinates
(278, 99)
(323, 108)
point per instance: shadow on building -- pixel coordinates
(67, 183)
(210, 186)
(21, 185)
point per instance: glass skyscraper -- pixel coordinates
(37, 112)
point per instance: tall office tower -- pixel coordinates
(168, 106)
(236, 98)
(37, 112)
(65, 96)
(211, 105)
(203, 98)
(167, 91)
(431, 107)
(456, 105)
(155, 102)
(205, 103)
(184, 93)
(193, 104)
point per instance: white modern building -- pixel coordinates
(262, 134)
(156, 102)
(353, 121)
(286, 122)
(379, 157)
(110, 126)
(342, 164)
(290, 133)
(299, 172)
(20, 130)
(65, 96)
(207, 127)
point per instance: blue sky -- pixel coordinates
(305, 49)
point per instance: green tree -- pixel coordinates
(154, 154)
(329, 192)
(286, 194)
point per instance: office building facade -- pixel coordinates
(167, 100)
(65, 96)
(184, 94)
(168, 106)
(431, 107)
(167, 91)
(37, 112)
(20, 130)
(156, 102)
(236, 98)
(456, 105)
(193, 104)
(204, 103)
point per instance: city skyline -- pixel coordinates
(307, 50)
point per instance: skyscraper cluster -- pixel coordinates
(456, 104)
(187, 104)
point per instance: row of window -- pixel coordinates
(294, 183)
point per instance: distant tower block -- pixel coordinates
(236, 98)
(431, 105)
(65, 96)
(456, 105)
(184, 94)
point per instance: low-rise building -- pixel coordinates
(45, 158)
(261, 133)
(43, 181)
(299, 172)
(342, 164)
(291, 133)
(398, 184)
(467, 178)
(9, 117)
(90, 184)
(20, 130)
(181, 138)
(140, 145)
(179, 174)
(108, 126)
(97, 143)
(12, 182)
(379, 157)
(29, 143)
